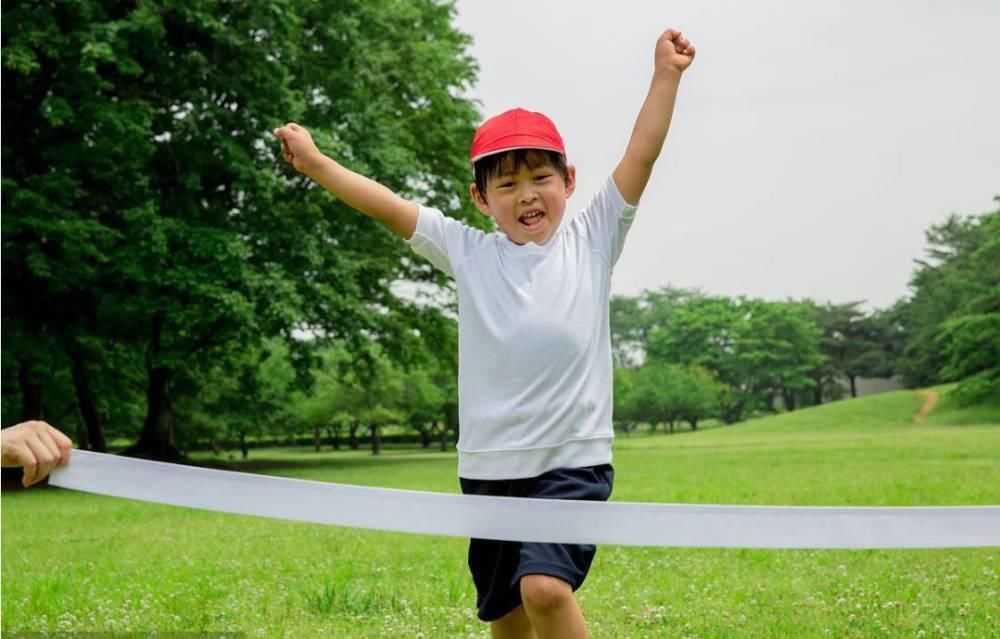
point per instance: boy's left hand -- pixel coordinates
(674, 52)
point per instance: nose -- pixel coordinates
(527, 194)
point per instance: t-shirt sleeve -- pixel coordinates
(606, 221)
(444, 241)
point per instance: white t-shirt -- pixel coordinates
(534, 342)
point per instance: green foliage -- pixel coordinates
(147, 208)
(634, 318)
(665, 393)
(624, 386)
(854, 345)
(755, 348)
(951, 318)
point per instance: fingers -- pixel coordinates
(63, 443)
(284, 134)
(681, 44)
(27, 459)
(58, 445)
(42, 462)
(46, 453)
(43, 448)
(37, 447)
(284, 131)
(29, 476)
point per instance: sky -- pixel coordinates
(812, 144)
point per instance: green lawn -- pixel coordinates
(73, 561)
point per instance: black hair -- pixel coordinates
(493, 166)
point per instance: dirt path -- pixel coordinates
(931, 398)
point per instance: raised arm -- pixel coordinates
(361, 193)
(673, 55)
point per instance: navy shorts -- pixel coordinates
(497, 566)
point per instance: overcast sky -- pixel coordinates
(812, 144)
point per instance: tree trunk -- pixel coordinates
(353, 435)
(85, 403)
(789, 398)
(243, 444)
(31, 394)
(333, 432)
(694, 423)
(444, 437)
(83, 441)
(854, 386)
(157, 437)
(317, 442)
(451, 420)
(376, 440)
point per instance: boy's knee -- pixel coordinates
(543, 594)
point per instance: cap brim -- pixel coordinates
(514, 147)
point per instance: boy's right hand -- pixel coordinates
(298, 147)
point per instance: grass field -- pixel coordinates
(75, 562)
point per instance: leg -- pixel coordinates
(552, 608)
(513, 625)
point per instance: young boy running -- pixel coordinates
(535, 376)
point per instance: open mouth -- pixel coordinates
(531, 218)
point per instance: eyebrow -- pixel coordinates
(511, 172)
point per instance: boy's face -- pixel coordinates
(527, 204)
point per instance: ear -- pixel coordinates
(479, 200)
(570, 180)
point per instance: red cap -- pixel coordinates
(516, 129)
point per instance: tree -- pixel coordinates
(699, 395)
(421, 403)
(666, 393)
(703, 332)
(757, 349)
(633, 319)
(778, 345)
(151, 207)
(624, 414)
(970, 337)
(949, 319)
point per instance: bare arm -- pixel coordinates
(674, 54)
(361, 193)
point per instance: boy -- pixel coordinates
(534, 341)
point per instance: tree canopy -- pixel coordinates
(148, 218)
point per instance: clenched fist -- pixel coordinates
(298, 147)
(673, 52)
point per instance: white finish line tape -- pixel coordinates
(540, 520)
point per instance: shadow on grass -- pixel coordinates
(341, 461)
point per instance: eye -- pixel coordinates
(505, 185)
(542, 177)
